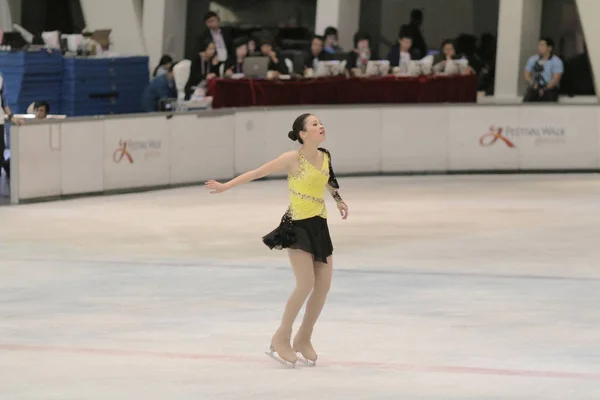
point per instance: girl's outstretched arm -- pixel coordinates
(281, 163)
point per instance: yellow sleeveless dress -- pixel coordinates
(304, 224)
(307, 189)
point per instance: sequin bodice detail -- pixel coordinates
(307, 189)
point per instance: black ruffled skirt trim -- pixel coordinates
(310, 235)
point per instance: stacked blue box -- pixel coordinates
(100, 86)
(31, 76)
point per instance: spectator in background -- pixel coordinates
(252, 46)
(466, 46)
(5, 115)
(236, 65)
(205, 66)
(41, 109)
(315, 54)
(361, 54)
(543, 73)
(331, 41)
(413, 30)
(400, 54)
(160, 87)
(443, 59)
(163, 65)
(222, 40)
(276, 62)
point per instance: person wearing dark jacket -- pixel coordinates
(402, 52)
(205, 66)
(358, 58)
(276, 61)
(315, 54)
(163, 65)
(413, 30)
(221, 38)
(160, 87)
(235, 65)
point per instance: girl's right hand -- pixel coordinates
(217, 187)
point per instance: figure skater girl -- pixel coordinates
(303, 232)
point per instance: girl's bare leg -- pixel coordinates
(314, 306)
(302, 264)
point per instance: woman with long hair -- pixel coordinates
(303, 231)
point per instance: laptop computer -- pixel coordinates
(256, 67)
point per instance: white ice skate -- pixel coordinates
(307, 362)
(272, 353)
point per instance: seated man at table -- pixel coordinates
(399, 55)
(445, 61)
(331, 44)
(276, 62)
(315, 54)
(161, 87)
(235, 65)
(361, 54)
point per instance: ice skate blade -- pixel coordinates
(308, 363)
(286, 364)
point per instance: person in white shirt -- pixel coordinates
(400, 54)
(443, 62)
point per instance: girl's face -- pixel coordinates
(314, 131)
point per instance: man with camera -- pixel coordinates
(543, 73)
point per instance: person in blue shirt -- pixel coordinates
(543, 73)
(160, 87)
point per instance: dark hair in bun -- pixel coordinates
(298, 126)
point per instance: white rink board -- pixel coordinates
(102, 154)
(136, 153)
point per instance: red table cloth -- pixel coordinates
(342, 90)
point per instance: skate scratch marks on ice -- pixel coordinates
(343, 364)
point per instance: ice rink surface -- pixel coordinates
(445, 287)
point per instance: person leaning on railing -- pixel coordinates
(5, 115)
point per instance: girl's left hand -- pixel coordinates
(216, 187)
(343, 210)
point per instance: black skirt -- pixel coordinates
(310, 235)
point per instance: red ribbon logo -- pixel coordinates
(493, 136)
(122, 152)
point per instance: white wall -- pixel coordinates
(519, 28)
(175, 28)
(349, 17)
(5, 16)
(531, 27)
(164, 29)
(123, 17)
(94, 155)
(342, 14)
